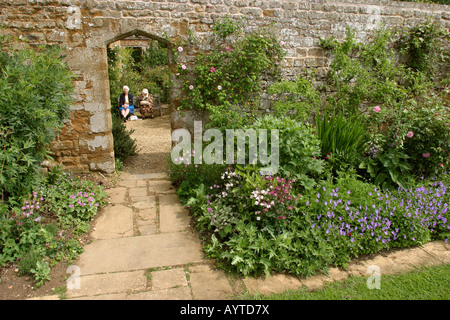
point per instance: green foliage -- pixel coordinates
(422, 44)
(33, 263)
(342, 139)
(188, 176)
(247, 59)
(392, 80)
(389, 169)
(364, 73)
(36, 90)
(139, 69)
(297, 99)
(42, 230)
(226, 27)
(124, 145)
(299, 149)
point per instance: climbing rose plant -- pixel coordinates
(250, 60)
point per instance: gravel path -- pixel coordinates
(153, 139)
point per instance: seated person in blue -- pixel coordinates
(126, 103)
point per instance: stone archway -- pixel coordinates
(140, 38)
(146, 62)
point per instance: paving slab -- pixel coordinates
(408, 259)
(117, 195)
(122, 282)
(161, 186)
(113, 296)
(165, 279)
(147, 229)
(147, 202)
(145, 176)
(179, 293)
(147, 214)
(209, 284)
(128, 183)
(315, 282)
(114, 222)
(143, 252)
(173, 217)
(51, 297)
(141, 183)
(337, 274)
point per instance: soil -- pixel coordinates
(153, 138)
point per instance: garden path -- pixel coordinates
(144, 246)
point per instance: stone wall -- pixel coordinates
(86, 27)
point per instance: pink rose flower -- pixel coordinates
(410, 134)
(377, 109)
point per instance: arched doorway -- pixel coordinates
(140, 61)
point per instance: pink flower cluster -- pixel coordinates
(276, 200)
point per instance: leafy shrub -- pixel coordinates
(124, 145)
(36, 90)
(188, 176)
(297, 99)
(299, 149)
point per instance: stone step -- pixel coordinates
(107, 283)
(114, 222)
(143, 252)
(173, 217)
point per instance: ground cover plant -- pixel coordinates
(368, 173)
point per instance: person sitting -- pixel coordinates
(126, 106)
(146, 104)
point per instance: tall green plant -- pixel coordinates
(36, 88)
(341, 139)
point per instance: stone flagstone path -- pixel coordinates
(144, 248)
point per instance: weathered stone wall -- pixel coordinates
(86, 27)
